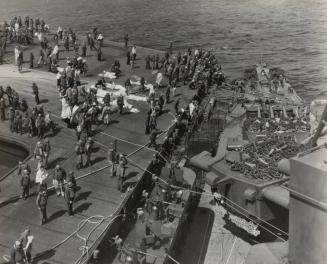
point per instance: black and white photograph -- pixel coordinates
(163, 132)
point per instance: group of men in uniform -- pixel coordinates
(22, 119)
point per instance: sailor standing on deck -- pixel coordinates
(46, 150)
(147, 123)
(16, 54)
(84, 48)
(99, 53)
(31, 60)
(159, 79)
(112, 158)
(59, 32)
(122, 165)
(41, 202)
(126, 40)
(133, 52)
(120, 103)
(88, 151)
(59, 179)
(79, 150)
(11, 117)
(128, 57)
(39, 153)
(128, 85)
(153, 120)
(40, 125)
(70, 193)
(35, 90)
(106, 114)
(55, 52)
(41, 57)
(23, 166)
(100, 40)
(20, 61)
(66, 42)
(25, 183)
(161, 103)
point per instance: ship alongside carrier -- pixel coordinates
(269, 133)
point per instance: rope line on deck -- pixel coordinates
(145, 146)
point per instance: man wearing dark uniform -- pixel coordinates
(35, 90)
(79, 150)
(31, 60)
(122, 164)
(120, 103)
(11, 116)
(46, 150)
(99, 53)
(112, 159)
(126, 40)
(84, 49)
(25, 183)
(128, 57)
(147, 123)
(70, 195)
(40, 125)
(41, 202)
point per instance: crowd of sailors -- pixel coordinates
(23, 119)
(198, 69)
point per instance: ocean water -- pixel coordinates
(287, 33)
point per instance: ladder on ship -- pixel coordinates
(206, 137)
